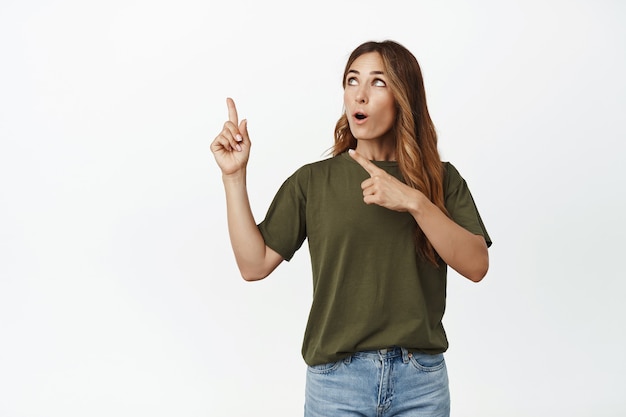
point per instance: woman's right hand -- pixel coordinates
(231, 148)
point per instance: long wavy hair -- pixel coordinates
(415, 136)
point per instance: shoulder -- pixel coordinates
(451, 175)
(325, 163)
(320, 167)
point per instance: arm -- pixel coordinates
(462, 250)
(231, 149)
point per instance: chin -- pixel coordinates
(366, 137)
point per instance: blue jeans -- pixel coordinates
(387, 382)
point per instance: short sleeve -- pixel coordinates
(460, 203)
(284, 226)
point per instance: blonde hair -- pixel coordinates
(414, 131)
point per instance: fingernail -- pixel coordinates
(239, 138)
(238, 148)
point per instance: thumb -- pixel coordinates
(243, 128)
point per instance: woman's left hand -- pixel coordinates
(462, 250)
(384, 189)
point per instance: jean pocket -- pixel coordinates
(428, 363)
(325, 368)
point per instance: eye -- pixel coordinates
(379, 83)
(351, 81)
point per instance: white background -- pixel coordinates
(119, 293)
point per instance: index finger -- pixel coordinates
(368, 165)
(232, 111)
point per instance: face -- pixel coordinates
(369, 103)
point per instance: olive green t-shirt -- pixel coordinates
(371, 290)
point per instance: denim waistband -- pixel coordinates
(386, 353)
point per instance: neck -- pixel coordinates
(376, 151)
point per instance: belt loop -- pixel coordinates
(347, 359)
(405, 355)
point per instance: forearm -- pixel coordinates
(462, 250)
(254, 259)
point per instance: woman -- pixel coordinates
(383, 217)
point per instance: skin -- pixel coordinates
(366, 92)
(231, 149)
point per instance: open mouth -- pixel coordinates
(360, 116)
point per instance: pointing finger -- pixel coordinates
(364, 162)
(232, 111)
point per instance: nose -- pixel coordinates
(361, 95)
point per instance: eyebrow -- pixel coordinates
(371, 72)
